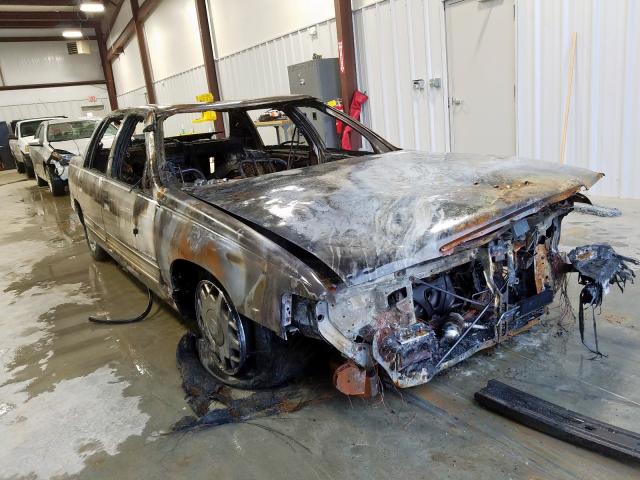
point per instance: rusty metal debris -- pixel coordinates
(353, 380)
(559, 422)
(598, 266)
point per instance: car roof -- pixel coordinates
(165, 110)
(67, 120)
(37, 118)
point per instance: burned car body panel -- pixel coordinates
(367, 216)
(404, 260)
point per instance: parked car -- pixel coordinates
(19, 143)
(6, 158)
(403, 260)
(55, 143)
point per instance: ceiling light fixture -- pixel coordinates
(92, 7)
(72, 34)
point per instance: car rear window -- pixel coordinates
(27, 129)
(60, 132)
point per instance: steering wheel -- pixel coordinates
(188, 172)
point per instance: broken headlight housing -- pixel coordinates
(61, 156)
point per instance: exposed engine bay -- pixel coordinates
(471, 300)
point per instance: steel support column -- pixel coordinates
(207, 56)
(346, 51)
(107, 69)
(144, 53)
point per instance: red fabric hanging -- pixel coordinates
(355, 109)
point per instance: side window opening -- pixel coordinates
(99, 157)
(130, 157)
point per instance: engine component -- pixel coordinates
(430, 298)
(404, 346)
(452, 327)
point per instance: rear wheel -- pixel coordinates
(96, 251)
(237, 351)
(29, 171)
(41, 182)
(20, 167)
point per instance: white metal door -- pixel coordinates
(481, 67)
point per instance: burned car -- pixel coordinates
(272, 229)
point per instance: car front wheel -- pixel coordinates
(56, 184)
(237, 351)
(20, 167)
(96, 251)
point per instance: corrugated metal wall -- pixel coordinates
(605, 111)
(183, 87)
(261, 71)
(133, 98)
(398, 41)
(68, 108)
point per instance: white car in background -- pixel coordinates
(55, 142)
(19, 143)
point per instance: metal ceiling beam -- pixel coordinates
(42, 16)
(46, 24)
(42, 3)
(43, 39)
(130, 29)
(144, 53)
(51, 85)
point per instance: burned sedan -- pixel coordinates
(271, 229)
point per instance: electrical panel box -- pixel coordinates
(319, 78)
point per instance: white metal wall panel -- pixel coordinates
(133, 98)
(182, 88)
(68, 108)
(398, 41)
(262, 70)
(605, 112)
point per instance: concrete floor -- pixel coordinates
(92, 401)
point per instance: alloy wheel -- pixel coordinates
(223, 341)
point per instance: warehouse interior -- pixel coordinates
(508, 115)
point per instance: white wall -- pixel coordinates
(173, 38)
(39, 102)
(605, 111)
(26, 63)
(398, 41)
(127, 68)
(241, 24)
(261, 71)
(47, 62)
(124, 15)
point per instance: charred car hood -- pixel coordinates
(369, 216)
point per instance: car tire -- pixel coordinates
(97, 252)
(20, 167)
(29, 171)
(238, 352)
(41, 182)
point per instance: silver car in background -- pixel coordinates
(55, 143)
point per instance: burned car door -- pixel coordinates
(129, 207)
(89, 179)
